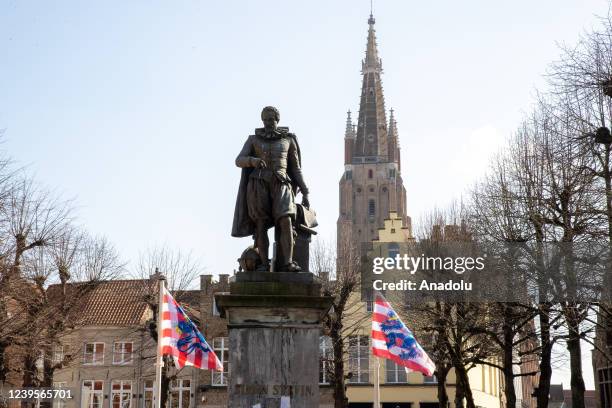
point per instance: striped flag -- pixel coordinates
(181, 339)
(391, 339)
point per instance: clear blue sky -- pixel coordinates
(138, 109)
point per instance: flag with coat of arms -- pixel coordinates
(391, 339)
(181, 338)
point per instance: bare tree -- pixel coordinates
(30, 220)
(452, 325)
(60, 278)
(341, 276)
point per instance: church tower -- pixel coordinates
(371, 187)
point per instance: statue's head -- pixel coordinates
(270, 117)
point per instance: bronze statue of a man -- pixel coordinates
(271, 178)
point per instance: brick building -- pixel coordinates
(109, 355)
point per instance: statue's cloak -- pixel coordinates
(243, 225)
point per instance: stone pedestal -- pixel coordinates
(274, 322)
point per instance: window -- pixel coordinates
(92, 395)
(93, 354)
(370, 173)
(369, 300)
(391, 173)
(147, 401)
(430, 379)
(57, 402)
(220, 346)
(605, 386)
(326, 353)
(121, 394)
(348, 175)
(395, 373)
(180, 394)
(393, 249)
(122, 352)
(359, 359)
(371, 208)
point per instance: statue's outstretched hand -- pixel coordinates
(258, 163)
(305, 201)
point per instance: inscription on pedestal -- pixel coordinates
(274, 328)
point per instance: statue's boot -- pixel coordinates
(292, 267)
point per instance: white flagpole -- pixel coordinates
(159, 362)
(377, 402)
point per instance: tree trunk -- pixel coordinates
(572, 312)
(577, 382)
(459, 392)
(29, 376)
(464, 380)
(545, 357)
(3, 367)
(441, 374)
(335, 334)
(508, 357)
(47, 381)
(467, 391)
(29, 370)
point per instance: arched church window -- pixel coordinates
(371, 208)
(370, 173)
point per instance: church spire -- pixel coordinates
(394, 153)
(349, 139)
(349, 133)
(371, 135)
(371, 61)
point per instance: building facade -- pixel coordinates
(107, 359)
(602, 362)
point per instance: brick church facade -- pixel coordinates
(371, 186)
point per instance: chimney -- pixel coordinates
(205, 282)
